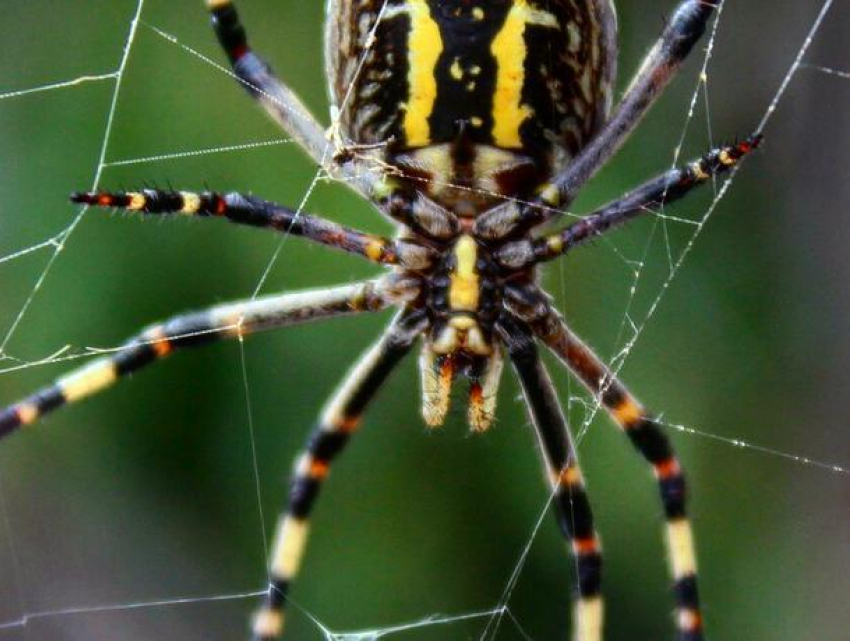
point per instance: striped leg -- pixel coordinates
(255, 212)
(281, 103)
(190, 330)
(338, 421)
(684, 28)
(652, 443)
(648, 198)
(571, 501)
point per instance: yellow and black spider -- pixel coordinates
(469, 124)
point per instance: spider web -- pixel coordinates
(47, 588)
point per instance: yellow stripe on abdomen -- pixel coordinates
(510, 52)
(423, 51)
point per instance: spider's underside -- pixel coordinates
(469, 124)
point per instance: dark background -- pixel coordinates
(148, 492)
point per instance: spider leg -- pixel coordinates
(282, 104)
(571, 501)
(249, 210)
(190, 330)
(683, 30)
(338, 422)
(647, 436)
(279, 100)
(649, 197)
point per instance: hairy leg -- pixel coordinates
(190, 330)
(336, 425)
(649, 439)
(572, 504)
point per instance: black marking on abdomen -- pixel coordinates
(466, 71)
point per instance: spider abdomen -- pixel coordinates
(484, 86)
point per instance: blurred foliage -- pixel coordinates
(149, 492)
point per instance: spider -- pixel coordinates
(470, 125)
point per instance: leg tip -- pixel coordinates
(82, 197)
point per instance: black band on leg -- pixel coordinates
(278, 591)
(650, 441)
(574, 514)
(685, 592)
(673, 494)
(9, 421)
(572, 505)
(230, 32)
(589, 570)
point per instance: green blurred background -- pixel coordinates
(148, 492)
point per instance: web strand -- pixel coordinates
(25, 620)
(114, 75)
(193, 153)
(828, 70)
(64, 236)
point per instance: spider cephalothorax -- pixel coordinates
(469, 124)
